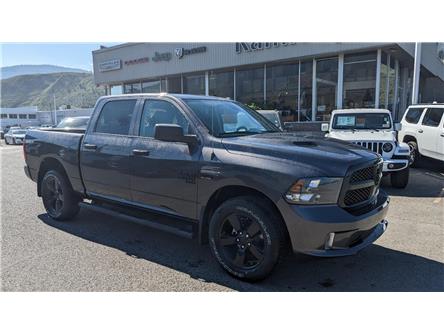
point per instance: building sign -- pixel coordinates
(110, 65)
(258, 46)
(165, 56)
(180, 51)
(137, 61)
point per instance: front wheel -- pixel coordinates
(60, 201)
(400, 179)
(6, 141)
(414, 154)
(246, 238)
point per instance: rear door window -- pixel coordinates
(433, 117)
(115, 117)
(413, 115)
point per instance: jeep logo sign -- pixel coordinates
(257, 46)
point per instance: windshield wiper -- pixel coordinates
(228, 134)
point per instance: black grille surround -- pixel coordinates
(361, 185)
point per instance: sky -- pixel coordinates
(76, 55)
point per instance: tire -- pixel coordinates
(13, 141)
(247, 238)
(415, 156)
(6, 141)
(60, 201)
(400, 179)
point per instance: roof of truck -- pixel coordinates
(181, 96)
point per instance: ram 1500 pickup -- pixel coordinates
(212, 169)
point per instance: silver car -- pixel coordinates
(15, 136)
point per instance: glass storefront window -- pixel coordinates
(326, 87)
(359, 80)
(221, 83)
(250, 86)
(305, 95)
(132, 88)
(387, 86)
(151, 87)
(116, 90)
(282, 89)
(174, 85)
(194, 84)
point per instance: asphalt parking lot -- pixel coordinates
(98, 253)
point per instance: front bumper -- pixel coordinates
(393, 165)
(329, 230)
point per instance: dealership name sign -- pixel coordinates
(110, 65)
(258, 46)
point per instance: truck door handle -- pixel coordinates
(140, 152)
(442, 134)
(89, 146)
(420, 131)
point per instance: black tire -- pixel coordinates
(6, 141)
(415, 156)
(400, 179)
(60, 201)
(247, 237)
(13, 141)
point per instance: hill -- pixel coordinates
(11, 71)
(74, 89)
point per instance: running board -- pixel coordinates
(138, 220)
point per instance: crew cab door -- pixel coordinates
(429, 133)
(163, 173)
(105, 150)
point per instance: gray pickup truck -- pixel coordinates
(212, 169)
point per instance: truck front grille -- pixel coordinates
(374, 146)
(361, 185)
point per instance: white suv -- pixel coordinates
(423, 130)
(374, 129)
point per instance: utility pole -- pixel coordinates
(55, 111)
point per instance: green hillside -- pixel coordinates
(74, 89)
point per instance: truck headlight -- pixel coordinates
(387, 147)
(309, 191)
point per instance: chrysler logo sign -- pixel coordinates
(258, 46)
(180, 51)
(110, 65)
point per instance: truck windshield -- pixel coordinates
(362, 121)
(228, 118)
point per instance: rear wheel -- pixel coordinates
(6, 141)
(247, 238)
(60, 201)
(400, 179)
(414, 153)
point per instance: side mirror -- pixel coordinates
(174, 133)
(325, 127)
(398, 127)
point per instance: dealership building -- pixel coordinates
(305, 81)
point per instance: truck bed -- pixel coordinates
(55, 144)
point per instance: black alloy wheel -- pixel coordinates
(247, 237)
(53, 196)
(241, 241)
(59, 199)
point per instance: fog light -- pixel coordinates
(391, 166)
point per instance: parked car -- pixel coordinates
(73, 122)
(423, 130)
(273, 116)
(212, 169)
(374, 129)
(15, 136)
(2, 134)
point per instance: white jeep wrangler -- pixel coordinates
(374, 130)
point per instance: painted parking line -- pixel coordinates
(439, 198)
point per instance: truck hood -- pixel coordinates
(328, 156)
(361, 135)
